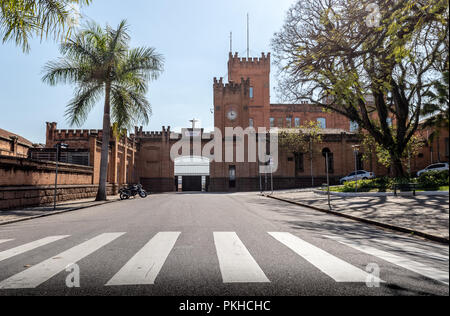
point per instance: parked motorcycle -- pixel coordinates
(132, 191)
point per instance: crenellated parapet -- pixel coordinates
(235, 60)
(81, 137)
(232, 87)
(151, 135)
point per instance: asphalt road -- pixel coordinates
(214, 244)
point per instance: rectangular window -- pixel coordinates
(299, 163)
(272, 122)
(288, 122)
(251, 123)
(280, 123)
(354, 127)
(251, 92)
(322, 122)
(297, 122)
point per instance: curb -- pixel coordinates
(54, 213)
(368, 221)
(383, 194)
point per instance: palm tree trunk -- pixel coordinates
(101, 195)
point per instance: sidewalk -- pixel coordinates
(423, 214)
(13, 216)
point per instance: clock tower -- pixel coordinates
(231, 104)
(245, 100)
(242, 102)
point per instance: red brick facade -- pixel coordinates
(242, 102)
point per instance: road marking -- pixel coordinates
(413, 250)
(38, 274)
(5, 240)
(236, 264)
(337, 269)
(145, 266)
(28, 247)
(435, 274)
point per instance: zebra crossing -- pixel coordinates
(236, 262)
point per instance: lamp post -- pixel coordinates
(356, 149)
(58, 149)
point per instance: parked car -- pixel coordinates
(435, 167)
(359, 175)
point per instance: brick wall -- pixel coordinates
(25, 182)
(26, 196)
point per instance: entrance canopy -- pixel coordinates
(192, 166)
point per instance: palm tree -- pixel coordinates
(22, 19)
(100, 62)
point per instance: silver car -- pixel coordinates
(358, 175)
(435, 167)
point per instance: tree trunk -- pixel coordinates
(397, 168)
(102, 194)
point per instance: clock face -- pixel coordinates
(232, 115)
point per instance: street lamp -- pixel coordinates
(58, 149)
(356, 149)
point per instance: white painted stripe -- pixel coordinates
(432, 273)
(404, 246)
(38, 274)
(28, 247)
(145, 266)
(236, 264)
(337, 269)
(5, 240)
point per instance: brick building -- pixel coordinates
(84, 148)
(13, 145)
(244, 101)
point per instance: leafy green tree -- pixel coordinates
(371, 148)
(20, 20)
(101, 63)
(301, 140)
(372, 61)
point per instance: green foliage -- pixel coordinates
(22, 19)
(384, 155)
(329, 54)
(434, 179)
(436, 110)
(429, 181)
(299, 140)
(382, 184)
(101, 63)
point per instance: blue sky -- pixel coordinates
(193, 36)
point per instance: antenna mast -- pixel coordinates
(231, 42)
(248, 36)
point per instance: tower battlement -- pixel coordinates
(249, 62)
(232, 86)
